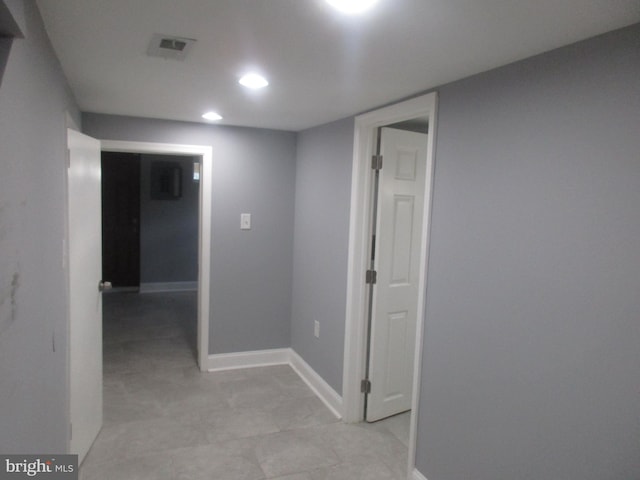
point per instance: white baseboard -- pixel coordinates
(162, 287)
(122, 290)
(320, 387)
(417, 475)
(280, 356)
(258, 358)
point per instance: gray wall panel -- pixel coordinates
(33, 315)
(323, 189)
(532, 340)
(169, 228)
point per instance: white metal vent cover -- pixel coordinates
(167, 46)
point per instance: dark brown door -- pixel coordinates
(121, 218)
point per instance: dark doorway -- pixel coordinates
(121, 219)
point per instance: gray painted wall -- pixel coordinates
(323, 186)
(33, 320)
(531, 365)
(253, 172)
(5, 49)
(169, 228)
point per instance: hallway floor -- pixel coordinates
(164, 419)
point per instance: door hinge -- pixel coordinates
(371, 277)
(376, 162)
(365, 386)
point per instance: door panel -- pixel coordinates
(85, 299)
(402, 235)
(121, 218)
(395, 295)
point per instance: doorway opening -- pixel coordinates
(362, 296)
(150, 242)
(167, 189)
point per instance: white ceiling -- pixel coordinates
(322, 66)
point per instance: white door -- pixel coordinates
(395, 295)
(85, 297)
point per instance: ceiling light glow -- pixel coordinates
(351, 7)
(213, 116)
(253, 81)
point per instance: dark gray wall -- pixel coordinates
(531, 365)
(33, 315)
(323, 185)
(253, 172)
(169, 228)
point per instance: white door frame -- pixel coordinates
(359, 236)
(204, 228)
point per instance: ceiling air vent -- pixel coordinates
(166, 46)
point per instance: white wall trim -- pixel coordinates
(122, 290)
(256, 358)
(159, 287)
(359, 228)
(416, 475)
(204, 224)
(320, 387)
(280, 356)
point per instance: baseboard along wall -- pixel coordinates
(416, 475)
(162, 287)
(257, 358)
(280, 356)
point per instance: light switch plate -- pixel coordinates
(245, 221)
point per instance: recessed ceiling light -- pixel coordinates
(253, 81)
(351, 6)
(212, 116)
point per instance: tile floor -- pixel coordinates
(164, 419)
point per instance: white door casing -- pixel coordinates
(366, 125)
(204, 223)
(395, 294)
(85, 299)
